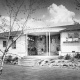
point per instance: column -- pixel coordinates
(49, 43)
(26, 44)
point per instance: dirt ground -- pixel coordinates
(14, 72)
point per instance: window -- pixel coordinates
(4, 43)
(14, 45)
(76, 35)
(73, 35)
(70, 35)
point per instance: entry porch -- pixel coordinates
(43, 42)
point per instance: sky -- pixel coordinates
(49, 14)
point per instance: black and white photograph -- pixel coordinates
(39, 39)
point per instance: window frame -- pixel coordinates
(4, 43)
(14, 45)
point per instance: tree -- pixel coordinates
(14, 9)
(77, 2)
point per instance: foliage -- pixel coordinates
(10, 60)
(77, 56)
(18, 12)
(77, 2)
(60, 57)
(67, 57)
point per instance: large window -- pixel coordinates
(4, 43)
(73, 35)
(14, 45)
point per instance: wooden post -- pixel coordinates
(49, 44)
(26, 44)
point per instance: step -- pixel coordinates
(32, 61)
(27, 62)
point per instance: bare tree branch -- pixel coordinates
(17, 13)
(13, 16)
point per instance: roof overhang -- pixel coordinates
(54, 30)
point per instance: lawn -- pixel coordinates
(14, 72)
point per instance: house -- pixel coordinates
(50, 41)
(17, 48)
(60, 40)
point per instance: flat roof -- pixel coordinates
(6, 34)
(56, 29)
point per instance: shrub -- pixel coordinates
(77, 56)
(15, 60)
(67, 57)
(10, 60)
(60, 57)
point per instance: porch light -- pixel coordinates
(30, 39)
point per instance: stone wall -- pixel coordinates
(41, 45)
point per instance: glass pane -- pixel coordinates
(4, 43)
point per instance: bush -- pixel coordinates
(77, 56)
(67, 57)
(15, 60)
(60, 57)
(10, 60)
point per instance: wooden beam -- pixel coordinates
(26, 44)
(49, 44)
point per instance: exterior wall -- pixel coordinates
(1, 45)
(71, 47)
(20, 47)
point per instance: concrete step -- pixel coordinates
(32, 60)
(27, 62)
